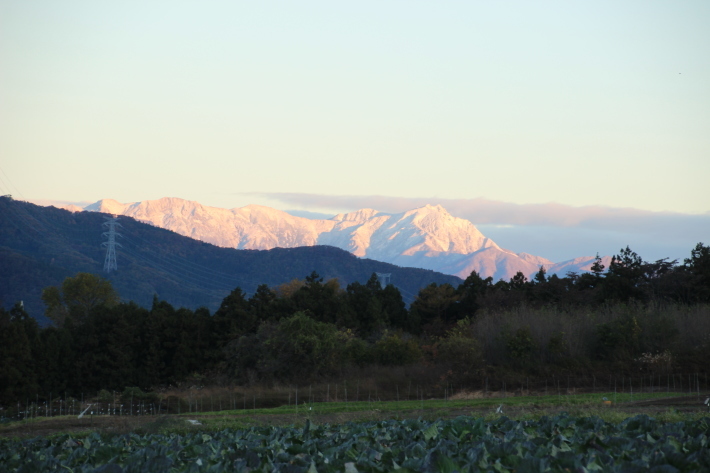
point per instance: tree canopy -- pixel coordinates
(314, 328)
(77, 297)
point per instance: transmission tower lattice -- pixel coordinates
(111, 244)
(384, 279)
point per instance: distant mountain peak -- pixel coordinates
(436, 211)
(109, 206)
(435, 208)
(427, 237)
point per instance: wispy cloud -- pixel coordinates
(482, 211)
(555, 231)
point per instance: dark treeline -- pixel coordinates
(634, 315)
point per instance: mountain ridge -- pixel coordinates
(427, 237)
(40, 246)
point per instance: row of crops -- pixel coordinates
(560, 443)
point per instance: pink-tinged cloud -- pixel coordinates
(482, 211)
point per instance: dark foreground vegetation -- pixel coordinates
(558, 443)
(636, 319)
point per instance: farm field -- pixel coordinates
(536, 433)
(672, 406)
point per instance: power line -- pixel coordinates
(24, 221)
(183, 265)
(198, 283)
(11, 184)
(198, 266)
(404, 291)
(202, 276)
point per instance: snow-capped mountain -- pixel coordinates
(253, 227)
(428, 237)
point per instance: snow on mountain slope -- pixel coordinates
(577, 265)
(428, 237)
(70, 207)
(108, 206)
(494, 262)
(250, 227)
(426, 232)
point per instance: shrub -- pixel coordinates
(557, 347)
(520, 344)
(659, 334)
(393, 350)
(618, 340)
(358, 352)
(136, 394)
(461, 351)
(463, 355)
(105, 397)
(298, 348)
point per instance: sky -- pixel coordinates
(557, 127)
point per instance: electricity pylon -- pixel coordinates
(111, 244)
(384, 279)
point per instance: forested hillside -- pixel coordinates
(40, 246)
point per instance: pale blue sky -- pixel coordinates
(579, 103)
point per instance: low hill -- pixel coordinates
(427, 237)
(40, 246)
